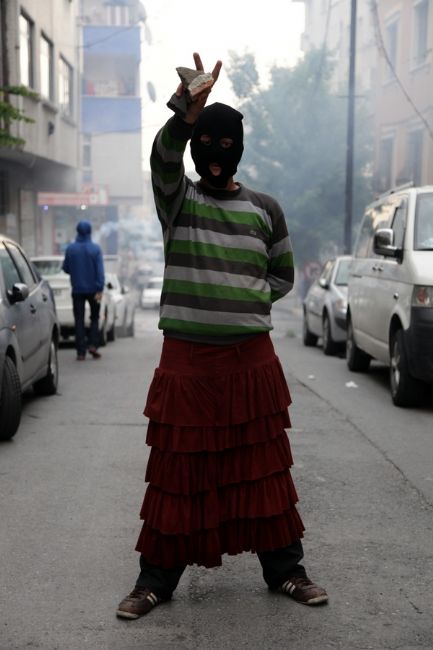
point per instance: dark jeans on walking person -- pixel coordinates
(79, 302)
(277, 565)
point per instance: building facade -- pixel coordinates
(111, 123)
(394, 76)
(38, 50)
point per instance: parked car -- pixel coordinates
(124, 303)
(325, 305)
(29, 335)
(390, 292)
(151, 294)
(50, 268)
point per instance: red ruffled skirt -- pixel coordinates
(219, 467)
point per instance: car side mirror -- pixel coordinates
(323, 283)
(18, 293)
(383, 243)
(109, 285)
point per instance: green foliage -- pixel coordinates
(295, 149)
(10, 114)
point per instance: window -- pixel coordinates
(22, 265)
(118, 14)
(415, 155)
(365, 235)
(386, 163)
(399, 224)
(65, 87)
(424, 222)
(26, 50)
(46, 67)
(3, 193)
(10, 272)
(87, 150)
(391, 42)
(420, 32)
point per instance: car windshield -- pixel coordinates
(342, 275)
(112, 279)
(424, 223)
(155, 283)
(48, 267)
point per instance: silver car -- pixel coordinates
(325, 306)
(50, 268)
(29, 335)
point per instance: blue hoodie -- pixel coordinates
(83, 262)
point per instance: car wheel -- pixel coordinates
(10, 400)
(329, 345)
(308, 338)
(130, 330)
(405, 389)
(111, 334)
(357, 360)
(123, 329)
(103, 333)
(48, 384)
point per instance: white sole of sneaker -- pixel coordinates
(129, 615)
(316, 601)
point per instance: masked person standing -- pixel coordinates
(84, 263)
(219, 468)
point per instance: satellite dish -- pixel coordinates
(151, 91)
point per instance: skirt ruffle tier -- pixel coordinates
(219, 468)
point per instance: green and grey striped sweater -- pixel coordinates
(228, 254)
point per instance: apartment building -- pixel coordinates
(394, 75)
(38, 50)
(111, 123)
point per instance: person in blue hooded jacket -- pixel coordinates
(84, 263)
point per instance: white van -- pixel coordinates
(390, 292)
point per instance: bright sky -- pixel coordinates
(270, 30)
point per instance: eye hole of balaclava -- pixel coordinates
(218, 122)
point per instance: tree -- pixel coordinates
(10, 114)
(296, 148)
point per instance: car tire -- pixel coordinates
(308, 338)
(111, 334)
(405, 389)
(48, 384)
(329, 345)
(130, 330)
(103, 333)
(10, 400)
(357, 360)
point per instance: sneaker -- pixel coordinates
(94, 352)
(304, 591)
(81, 357)
(138, 603)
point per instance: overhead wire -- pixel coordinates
(382, 49)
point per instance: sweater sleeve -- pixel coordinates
(281, 272)
(168, 171)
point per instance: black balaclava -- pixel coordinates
(218, 121)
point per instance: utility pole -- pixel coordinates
(350, 135)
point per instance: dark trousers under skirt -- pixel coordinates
(218, 474)
(277, 566)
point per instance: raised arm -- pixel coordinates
(166, 160)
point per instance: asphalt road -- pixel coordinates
(72, 484)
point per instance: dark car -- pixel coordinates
(29, 334)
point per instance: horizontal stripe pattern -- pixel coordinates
(228, 254)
